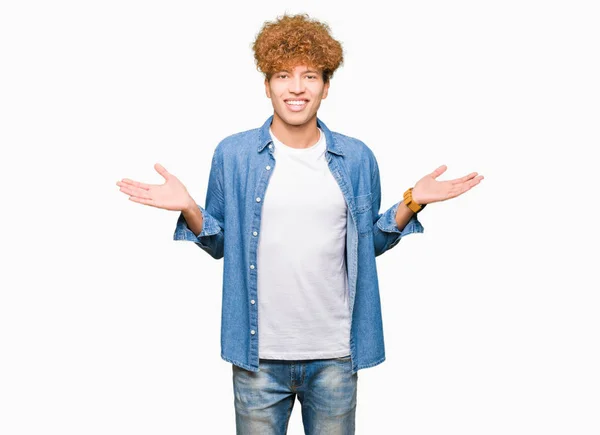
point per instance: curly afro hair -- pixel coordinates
(296, 40)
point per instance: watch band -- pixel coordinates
(413, 206)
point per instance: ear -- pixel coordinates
(325, 90)
(267, 88)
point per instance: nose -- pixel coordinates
(296, 85)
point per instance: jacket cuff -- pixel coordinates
(387, 222)
(210, 227)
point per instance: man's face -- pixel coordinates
(296, 95)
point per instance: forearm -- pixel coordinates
(403, 215)
(193, 218)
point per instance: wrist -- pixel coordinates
(409, 201)
(191, 206)
(416, 202)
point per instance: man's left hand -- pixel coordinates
(428, 189)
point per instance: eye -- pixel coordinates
(281, 76)
(312, 77)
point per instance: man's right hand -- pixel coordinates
(172, 195)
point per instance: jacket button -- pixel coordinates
(252, 266)
(258, 199)
(255, 233)
(253, 332)
(268, 168)
(252, 301)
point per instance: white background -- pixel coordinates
(108, 326)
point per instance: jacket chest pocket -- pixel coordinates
(362, 211)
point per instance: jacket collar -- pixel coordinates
(265, 137)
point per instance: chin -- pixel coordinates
(292, 120)
(295, 121)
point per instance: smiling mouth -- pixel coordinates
(296, 105)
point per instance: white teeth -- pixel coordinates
(296, 103)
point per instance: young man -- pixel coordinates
(293, 208)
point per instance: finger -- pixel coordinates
(463, 179)
(129, 182)
(439, 171)
(142, 201)
(162, 171)
(475, 181)
(468, 185)
(134, 191)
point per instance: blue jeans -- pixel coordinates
(326, 389)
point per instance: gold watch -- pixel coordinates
(408, 200)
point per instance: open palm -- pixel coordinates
(171, 195)
(428, 189)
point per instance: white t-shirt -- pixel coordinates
(303, 307)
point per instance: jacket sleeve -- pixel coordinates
(211, 239)
(386, 234)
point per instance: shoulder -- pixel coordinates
(354, 149)
(236, 143)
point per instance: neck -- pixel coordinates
(296, 136)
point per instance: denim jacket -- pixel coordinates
(241, 167)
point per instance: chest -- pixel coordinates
(298, 186)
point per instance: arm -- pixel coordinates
(399, 220)
(193, 218)
(205, 226)
(403, 215)
(396, 222)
